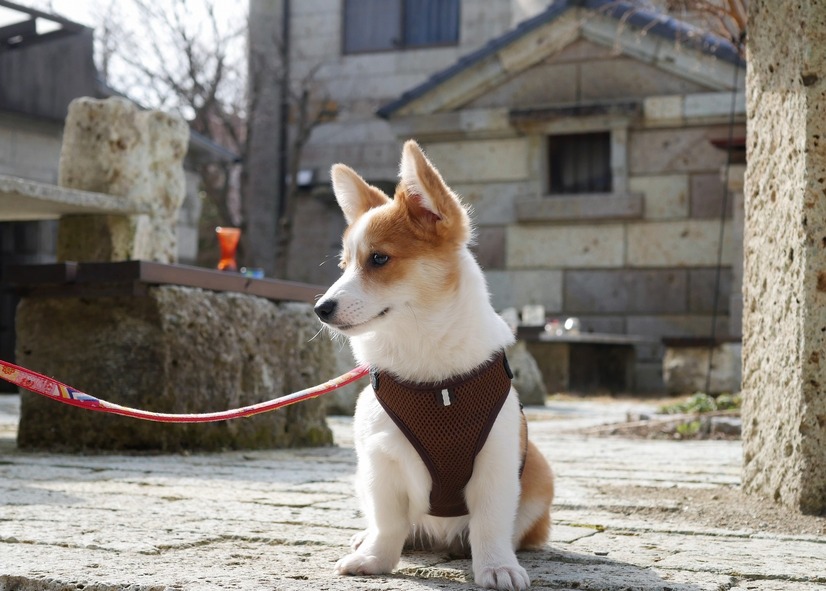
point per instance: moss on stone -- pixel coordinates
(180, 350)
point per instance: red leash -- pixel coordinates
(40, 384)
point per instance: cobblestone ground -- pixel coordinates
(280, 519)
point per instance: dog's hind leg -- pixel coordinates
(533, 521)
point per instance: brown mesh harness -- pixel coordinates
(448, 423)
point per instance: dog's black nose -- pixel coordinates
(325, 309)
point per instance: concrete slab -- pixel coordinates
(21, 199)
(625, 518)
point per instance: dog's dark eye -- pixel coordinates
(377, 259)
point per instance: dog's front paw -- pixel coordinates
(504, 578)
(360, 564)
(357, 539)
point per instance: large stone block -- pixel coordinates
(486, 160)
(625, 77)
(702, 284)
(690, 243)
(558, 246)
(659, 110)
(626, 291)
(713, 104)
(784, 277)
(532, 87)
(598, 206)
(493, 203)
(112, 147)
(686, 369)
(177, 350)
(666, 196)
(663, 151)
(490, 247)
(707, 193)
(674, 325)
(514, 289)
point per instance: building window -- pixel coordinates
(579, 163)
(383, 25)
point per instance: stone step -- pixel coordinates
(23, 199)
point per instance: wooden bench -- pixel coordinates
(134, 277)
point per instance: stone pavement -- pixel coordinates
(279, 520)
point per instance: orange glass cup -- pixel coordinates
(228, 241)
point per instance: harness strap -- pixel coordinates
(447, 423)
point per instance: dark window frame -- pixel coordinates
(579, 163)
(400, 43)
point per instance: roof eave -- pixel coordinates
(657, 24)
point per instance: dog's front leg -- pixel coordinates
(385, 506)
(492, 498)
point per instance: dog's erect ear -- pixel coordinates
(428, 197)
(353, 194)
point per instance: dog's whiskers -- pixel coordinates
(320, 330)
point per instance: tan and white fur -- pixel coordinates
(414, 302)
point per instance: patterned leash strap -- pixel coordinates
(45, 386)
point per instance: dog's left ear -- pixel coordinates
(426, 195)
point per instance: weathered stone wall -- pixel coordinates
(784, 282)
(360, 83)
(640, 260)
(650, 273)
(179, 350)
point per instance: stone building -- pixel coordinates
(583, 136)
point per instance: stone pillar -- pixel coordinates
(112, 147)
(784, 279)
(264, 168)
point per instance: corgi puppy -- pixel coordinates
(414, 304)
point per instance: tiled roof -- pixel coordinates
(628, 13)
